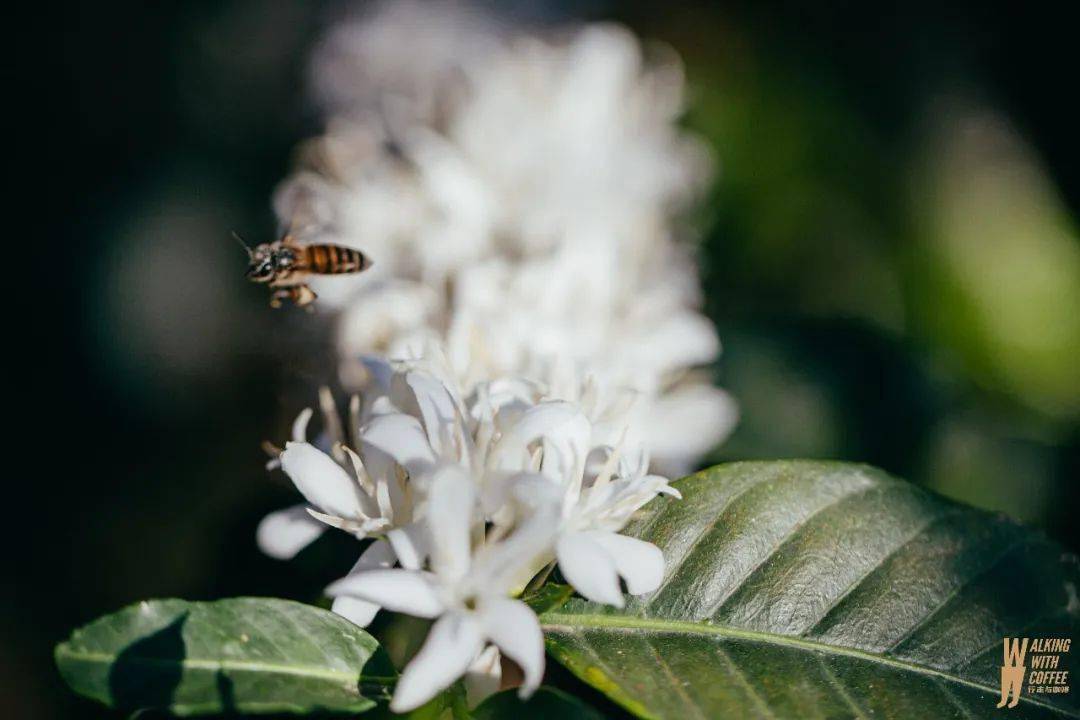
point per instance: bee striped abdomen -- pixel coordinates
(335, 259)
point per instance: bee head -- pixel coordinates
(260, 261)
(283, 259)
(261, 268)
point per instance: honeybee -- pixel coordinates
(286, 265)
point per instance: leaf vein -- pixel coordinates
(955, 592)
(838, 687)
(849, 494)
(239, 665)
(708, 528)
(955, 701)
(572, 623)
(880, 565)
(750, 689)
(687, 700)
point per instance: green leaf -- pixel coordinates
(249, 655)
(806, 590)
(546, 703)
(451, 704)
(548, 597)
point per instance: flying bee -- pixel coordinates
(286, 265)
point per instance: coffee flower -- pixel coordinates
(466, 590)
(466, 499)
(592, 507)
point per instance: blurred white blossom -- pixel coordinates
(518, 194)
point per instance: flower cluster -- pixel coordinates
(527, 349)
(466, 499)
(518, 195)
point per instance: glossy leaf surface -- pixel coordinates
(248, 655)
(823, 590)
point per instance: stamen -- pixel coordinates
(589, 394)
(402, 477)
(362, 476)
(608, 470)
(536, 459)
(300, 424)
(382, 499)
(331, 422)
(332, 520)
(354, 421)
(485, 431)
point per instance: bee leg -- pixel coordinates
(279, 296)
(303, 296)
(299, 295)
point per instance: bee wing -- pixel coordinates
(302, 209)
(303, 234)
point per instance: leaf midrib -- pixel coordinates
(572, 622)
(239, 665)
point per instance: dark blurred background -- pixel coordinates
(891, 256)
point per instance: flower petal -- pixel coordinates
(452, 645)
(410, 544)
(399, 437)
(442, 418)
(357, 611)
(502, 392)
(284, 533)
(559, 423)
(685, 423)
(409, 591)
(681, 339)
(451, 506)
(505, 566)
(322, 481)
(378, 554)
(528, 490)
(589, 568)
(484, 676)
(566, 449)
(379, 374)
(640, 563)
(512, 626)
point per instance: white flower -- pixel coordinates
(411, 423)
(284, 533)
(358, 506)
(363, 506)
(519, 196)
(594, 499)
(592, 554)
(472, 496)
(407, 54)
(466, 591)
